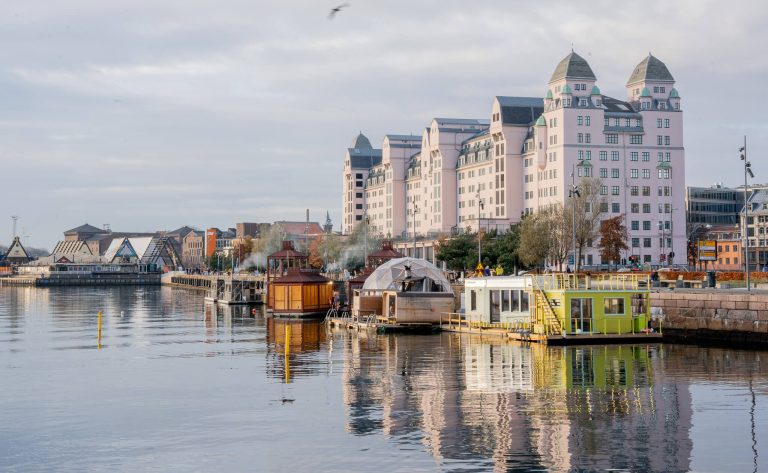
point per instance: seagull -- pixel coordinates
(336, 10)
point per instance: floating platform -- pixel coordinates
(587, 339)
(380, 326)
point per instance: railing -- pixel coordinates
(453, 320)
(588, 282)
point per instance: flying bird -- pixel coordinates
(336, 10)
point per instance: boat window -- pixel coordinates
(614, 306)
(515, 300)
(524, 301)
(472, 300)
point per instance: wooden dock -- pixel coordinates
(376, 323)
(521, 332)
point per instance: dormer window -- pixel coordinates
(662, 105)
(582, 102)
(597, 102)
(662, 89)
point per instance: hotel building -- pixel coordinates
(470, 173)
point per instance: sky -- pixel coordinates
(153, 114)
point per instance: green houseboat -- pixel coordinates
(558, 308)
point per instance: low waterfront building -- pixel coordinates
(15, 255)
(155, 252)
(72, 251)
(729, 248)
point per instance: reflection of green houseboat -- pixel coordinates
(558, 308)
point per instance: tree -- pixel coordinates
(459, 253)
(503, 249)
(590, 207)
(535, 240)
(558, 227)
(613, 238)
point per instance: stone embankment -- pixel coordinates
(732, 317)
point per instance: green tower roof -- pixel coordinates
(673, 94)
(549, 94)
(645, 92)
(595, 90)
(541, 121)
(566, 89)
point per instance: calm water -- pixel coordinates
(177, 386)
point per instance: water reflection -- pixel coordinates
(519, 407)
(292, 344)
(178, 379)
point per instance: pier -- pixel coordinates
(222, 288)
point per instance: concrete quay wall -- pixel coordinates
(729, 317)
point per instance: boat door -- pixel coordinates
(581, 315)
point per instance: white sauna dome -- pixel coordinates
(393, 275)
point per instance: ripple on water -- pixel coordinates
(191, 388)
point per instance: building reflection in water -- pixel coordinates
(517, 407)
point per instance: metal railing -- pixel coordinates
(588, 282)
(453, 320)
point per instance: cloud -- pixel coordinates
(153, 114)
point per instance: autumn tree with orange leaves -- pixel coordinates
(613, 238)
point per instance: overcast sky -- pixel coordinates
(152, 114)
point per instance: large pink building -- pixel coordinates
(469, 172)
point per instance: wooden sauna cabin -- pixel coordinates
(404, 291)
(300, 293)
(294, 290)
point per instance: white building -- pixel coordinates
(471, 173)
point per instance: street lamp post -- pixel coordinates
(573, 193)
(747, 170)
(479, 236)
(366, 220)
(671, 234)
